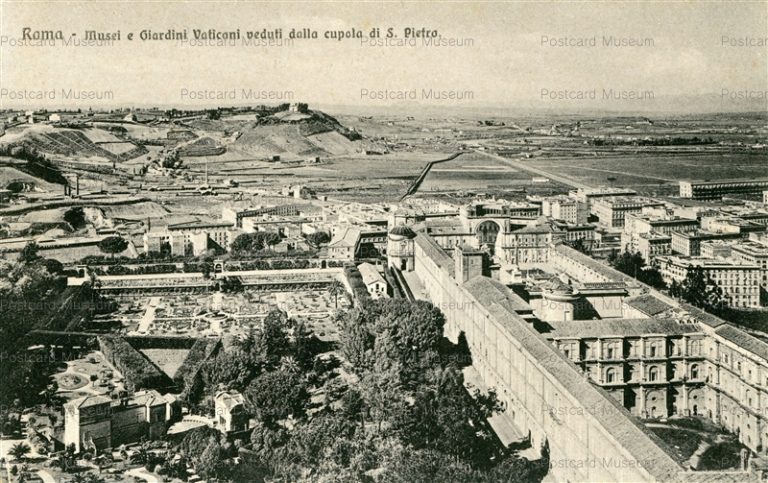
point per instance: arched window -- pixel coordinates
(610, 375)
(694, 371)
(695, 347)
(653, 374)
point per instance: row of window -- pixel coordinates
(613, 350)
(654, 374)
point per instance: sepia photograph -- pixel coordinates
(332, 241)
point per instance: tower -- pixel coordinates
(468, 262)
(400, 248)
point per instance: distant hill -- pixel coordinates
(290, 134)
(78, 143)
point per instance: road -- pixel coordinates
(526, 167)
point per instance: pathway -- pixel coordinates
(45, 476)
(144, 474)
(149, 315)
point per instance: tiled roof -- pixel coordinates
(435, 253)
(640, 443)
(87, 401)
(230, 399)
(702, 316)
(349, 238)
(620, 328)
(148, 398)
(488, 291)
(743, 340)
(370, 274)
(590, 262)
(648, 304)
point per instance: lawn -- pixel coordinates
(683, 443)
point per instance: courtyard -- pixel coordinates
(87, 376)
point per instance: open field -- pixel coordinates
(658, 174)
(101, 136)
(472, 171)
(167, 360)
(135, 211)
(9, 175)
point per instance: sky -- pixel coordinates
(539, 55)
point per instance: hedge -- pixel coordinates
(138, 372)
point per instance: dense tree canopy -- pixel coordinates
(75, 216)
(113, 245)
(318, 238)
(401, 411)
(634, 265)
(276, 395)
(700, 290)
(254, 242)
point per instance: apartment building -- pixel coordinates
(565, 208)
(753, 253)
(688, 244)
(612, 212)
(715, 190)
(739, 282)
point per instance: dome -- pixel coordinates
(402, 231)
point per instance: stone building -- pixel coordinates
(545, 394)
(400, 248)
(230, 411)
(99, 422)
(375, 284)
(654, 367)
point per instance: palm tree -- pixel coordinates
(336, 289)
(19, 450)
(289, 364)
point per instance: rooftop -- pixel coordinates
(743, 340)
(488, 291)
(435, 253)
(402, 230)
(617, 422)
(751, 248)
(706, 263)
(723, 181)
(648, 304)
(87, 401)
(600, 268)
(620, 328)
(348, 238)
(370, 274)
